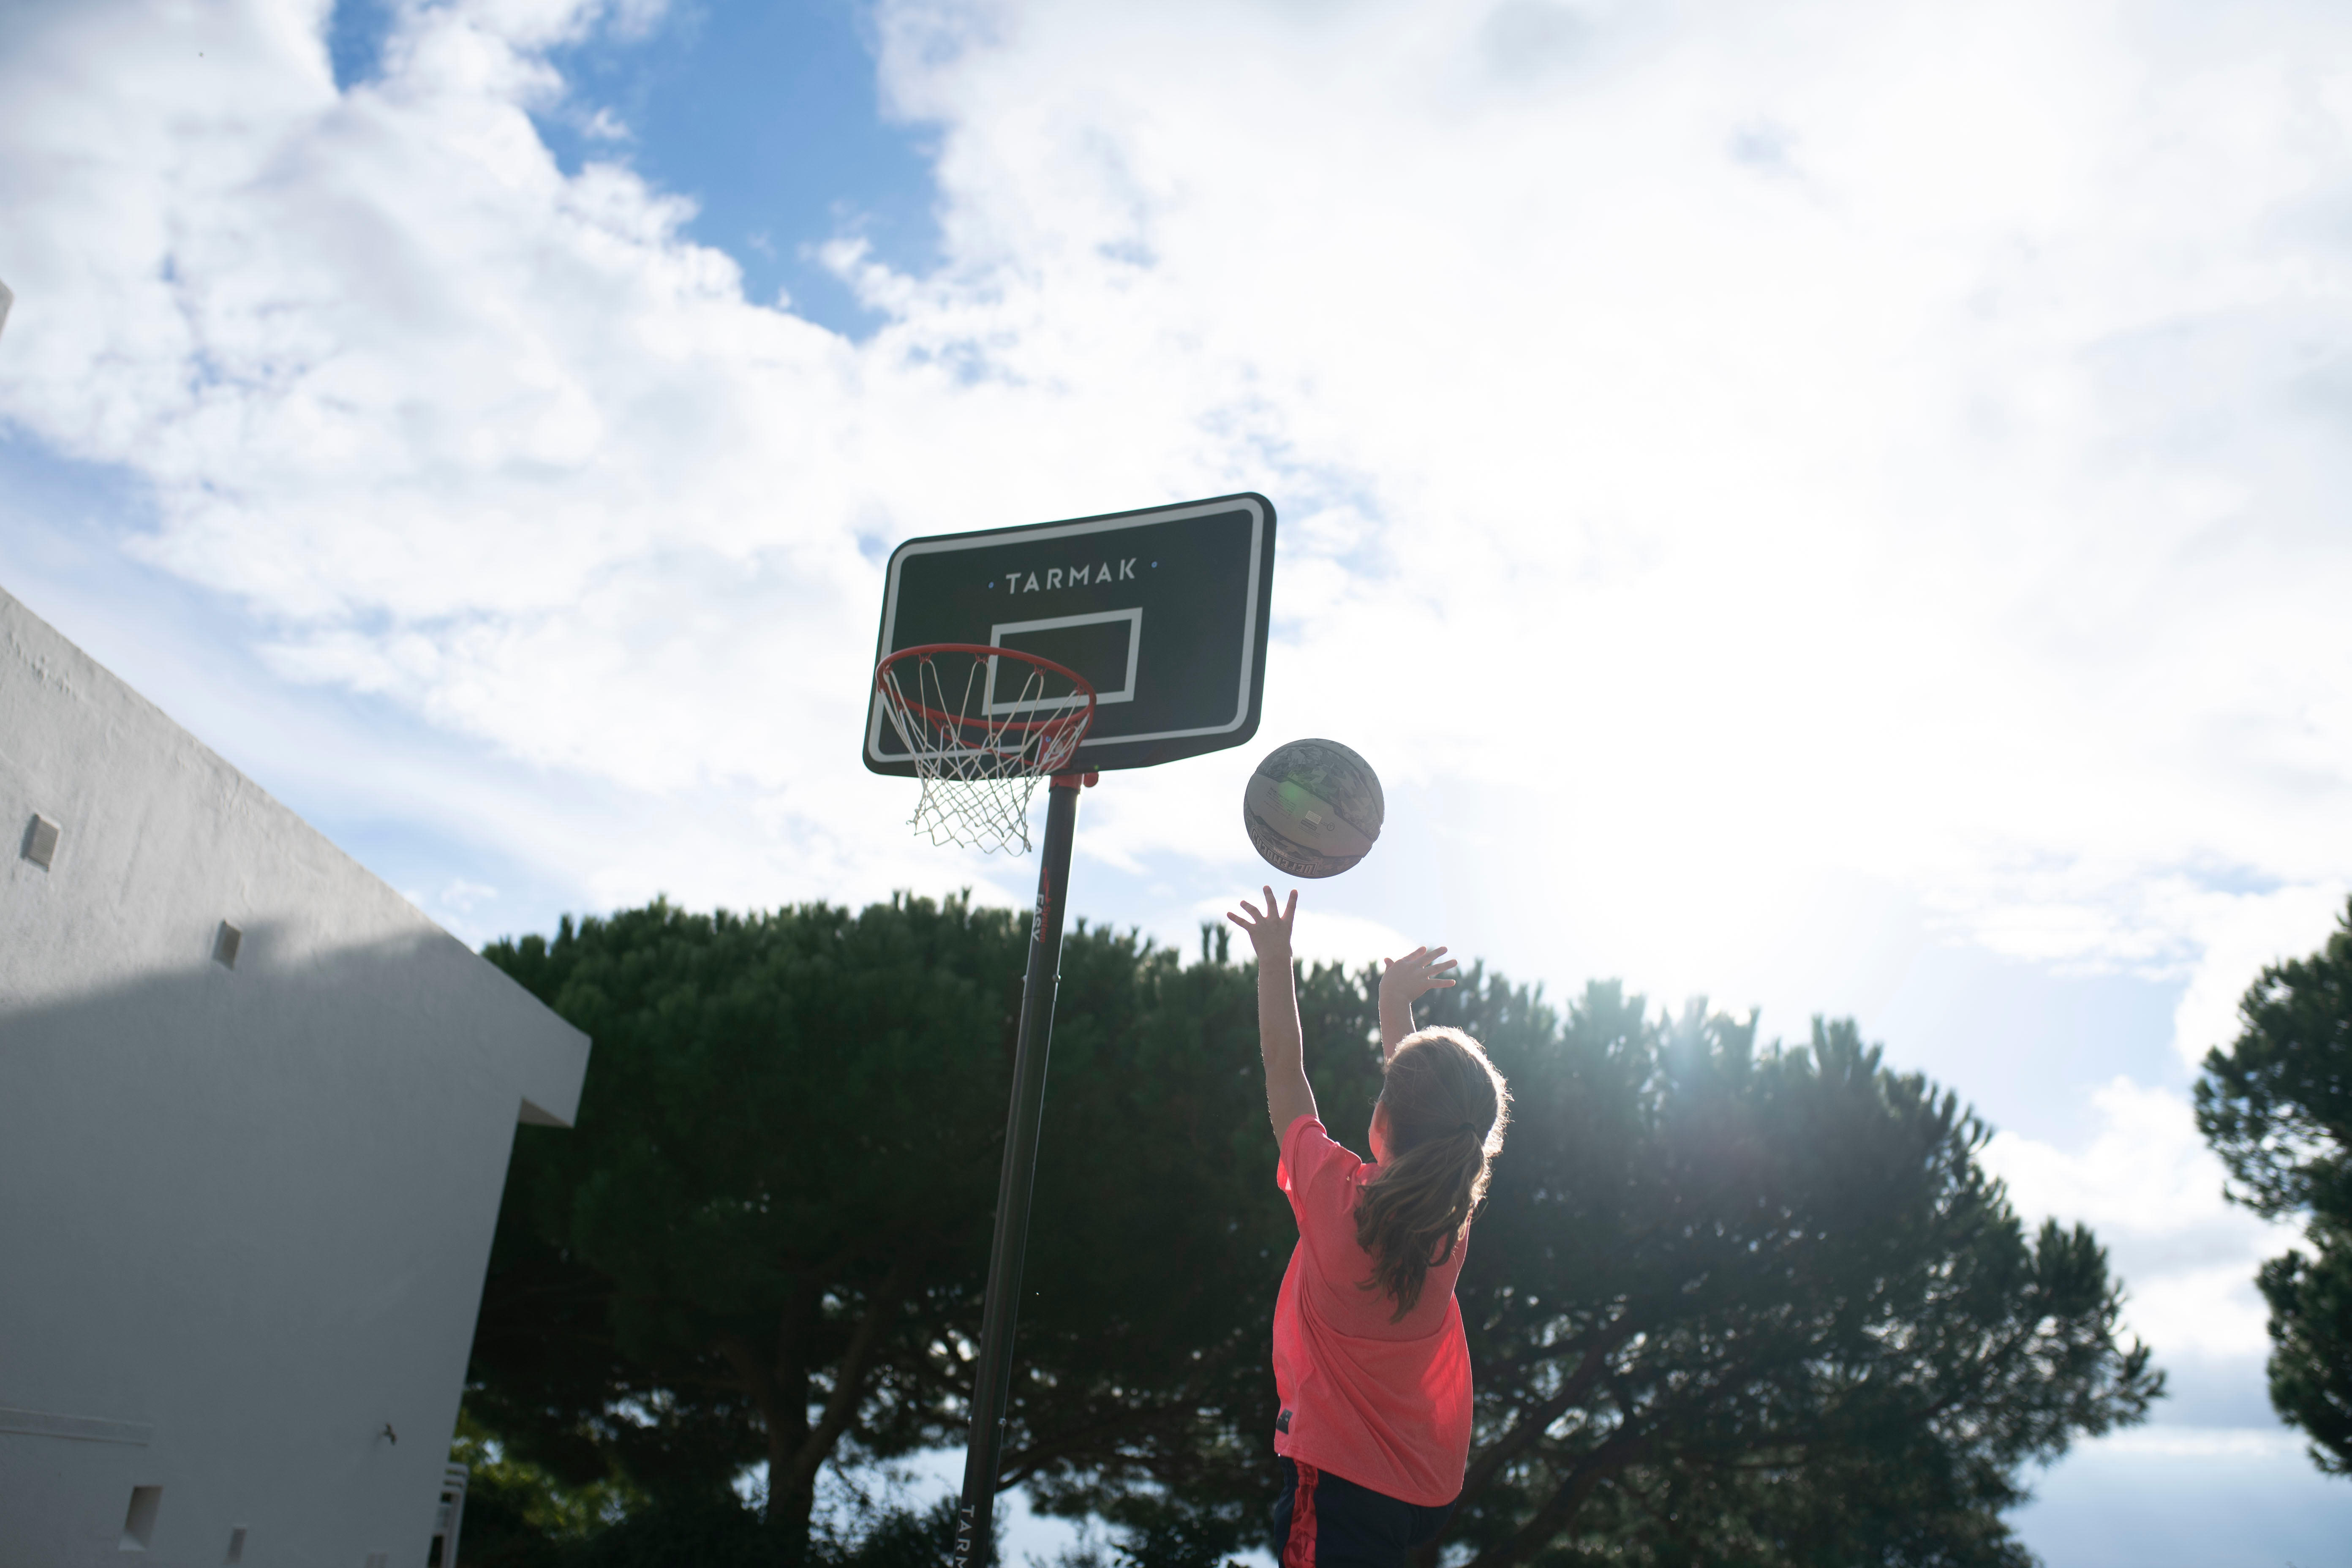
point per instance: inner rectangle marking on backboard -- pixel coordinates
(1125, 692)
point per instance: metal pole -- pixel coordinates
(993, 1375)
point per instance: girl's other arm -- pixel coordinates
(1401, 980)
(1288, 1095)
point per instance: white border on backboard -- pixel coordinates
(1134, 618)
(1138, 519)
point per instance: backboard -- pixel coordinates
(1164, 611)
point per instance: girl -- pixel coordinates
(1369, 1356)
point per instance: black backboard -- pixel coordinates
(1164, 611)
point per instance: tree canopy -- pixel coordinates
(759, 1238)
(1761, 1305)
(2276, 1105)
(1727, 1301)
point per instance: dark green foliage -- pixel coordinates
(2310, 1337)
(760, 1238)
(517, 1515)
(2277, 1107)
(696, 1533)
(2277, 1104)
(501, 1529)
(784, 1173)
(1739, 1305)
(1728, 1304)
(717, 1532)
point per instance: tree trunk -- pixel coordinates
(791, 1488)
(797, 1479)
(779, 1385)
(791, 1506)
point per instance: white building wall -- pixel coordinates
(244, 1213)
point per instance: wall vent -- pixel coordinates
(224, 945)
(40, 841)
(139, 1524)
(236, 1544)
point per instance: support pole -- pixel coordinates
(993, 1374)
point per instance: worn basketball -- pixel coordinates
(1313, 808)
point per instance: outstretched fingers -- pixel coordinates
(1270, 922)
(1424, 969)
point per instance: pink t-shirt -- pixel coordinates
(1384, 1404)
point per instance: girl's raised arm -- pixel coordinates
(1403, 979)
(1288, 1095)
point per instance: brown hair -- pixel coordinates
(1447, 1107)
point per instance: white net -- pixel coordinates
(983, 726)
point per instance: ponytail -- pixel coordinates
(1448, 1109)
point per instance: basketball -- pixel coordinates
(1313, 808)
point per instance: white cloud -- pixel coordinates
(2151, 1190)
(463, 896)
(605, 126)
(2206, 1442)
(1778, 449)
(2239, 935)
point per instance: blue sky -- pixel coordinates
(766, 114)
(1832, 510)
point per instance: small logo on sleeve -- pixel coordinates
(1282, 1422)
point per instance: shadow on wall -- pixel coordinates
(250, 1201)
(263, 1009)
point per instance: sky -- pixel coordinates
(1834, 508)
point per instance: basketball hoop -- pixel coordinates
(983, 726)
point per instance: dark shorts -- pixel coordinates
(1322, 1521)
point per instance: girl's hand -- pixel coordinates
(1417, 972)
(1270, 932)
